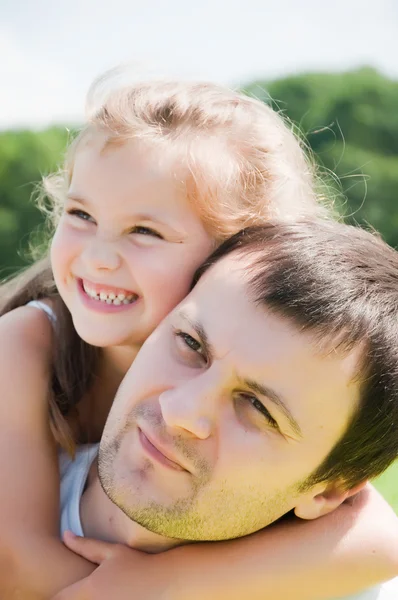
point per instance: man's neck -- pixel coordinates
(102, 519)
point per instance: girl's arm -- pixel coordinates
(33, 561)
(345, 552)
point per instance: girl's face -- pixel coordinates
(127, 244)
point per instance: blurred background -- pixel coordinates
(331, 67)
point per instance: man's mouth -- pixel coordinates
(159, 453)
(108, 294)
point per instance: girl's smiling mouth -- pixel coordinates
(105, 297)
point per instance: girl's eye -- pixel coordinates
(146, 231)
(80, 214)
(259, 406)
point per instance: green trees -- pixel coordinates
(24, 157)
(350, 121)
(351, 124)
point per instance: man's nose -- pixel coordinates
(101, 255)
(192, 406)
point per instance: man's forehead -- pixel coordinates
(227, 275)
(220, 305)
(232, 265)
(223, 304)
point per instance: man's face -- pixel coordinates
(225, 412)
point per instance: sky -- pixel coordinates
(51, 50)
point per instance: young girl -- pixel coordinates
(160, 175)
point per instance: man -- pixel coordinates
(272, 388)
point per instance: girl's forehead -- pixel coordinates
(179, 173)
(130, 161)
(125, 180)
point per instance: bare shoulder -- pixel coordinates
(26, 329)
(26, 340)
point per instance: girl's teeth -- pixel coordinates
(110, 298)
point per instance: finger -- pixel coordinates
(93, 550)
(73, 592)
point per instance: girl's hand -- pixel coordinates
(122, 573)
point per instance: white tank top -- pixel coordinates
(386, 591)
(45, 308)
(74, 475)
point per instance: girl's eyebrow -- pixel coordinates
(141, 216)
(79, 199)
(147, 217)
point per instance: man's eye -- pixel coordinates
(259, 406)
(80, 214)
(190, 342)
(146, 231)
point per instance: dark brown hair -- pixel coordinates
(340, 283)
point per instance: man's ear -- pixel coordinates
(323, 499)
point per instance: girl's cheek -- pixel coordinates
(149, 266)
(171, 263)
(66, 247)
(58, 245)
(67, 239)
(163, 273)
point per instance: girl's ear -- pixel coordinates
(323, 499)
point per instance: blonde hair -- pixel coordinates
(244, 164)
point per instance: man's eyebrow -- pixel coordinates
(201, 333)
(254, 386)
(276, 399)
